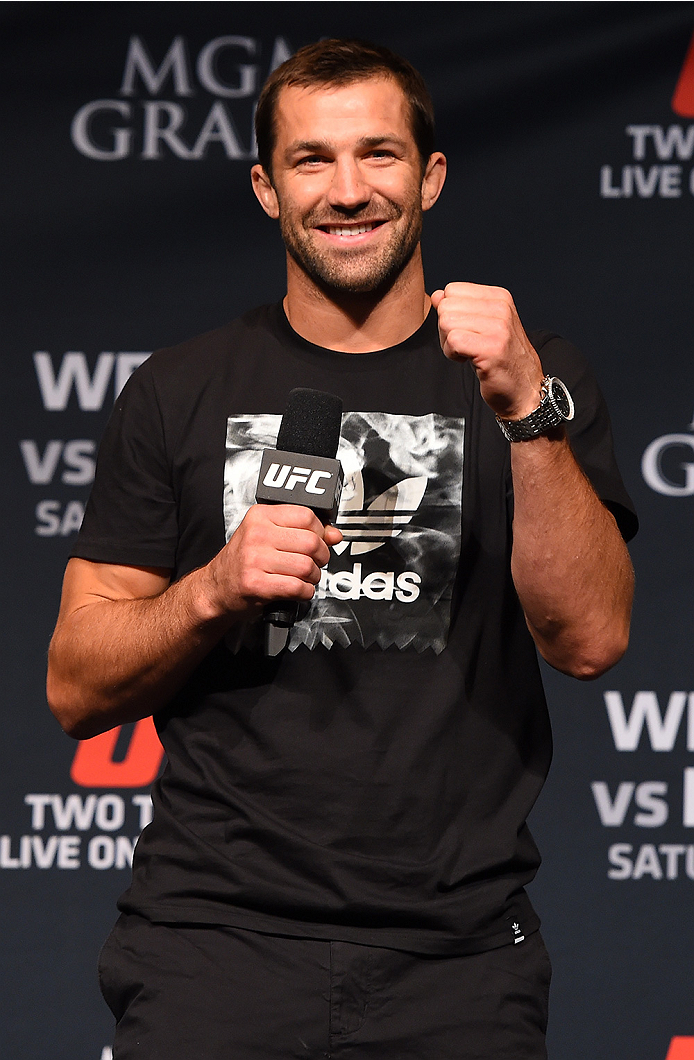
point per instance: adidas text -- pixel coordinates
(380, 585)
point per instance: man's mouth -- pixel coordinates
(350, 231)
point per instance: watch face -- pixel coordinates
(561, 398)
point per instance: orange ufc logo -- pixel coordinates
(683, 103)
(681, 1049)
(94, 767)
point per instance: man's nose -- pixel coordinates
(348, 188)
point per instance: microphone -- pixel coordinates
(301, 470)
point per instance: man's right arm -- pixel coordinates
(126, 638)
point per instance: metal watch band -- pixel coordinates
(554, 409)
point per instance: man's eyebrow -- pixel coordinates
(379, 141)
(326, 146)
(309, 147)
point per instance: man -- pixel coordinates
(338, 856)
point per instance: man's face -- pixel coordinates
(347, 183)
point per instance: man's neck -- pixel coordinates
(357, 323)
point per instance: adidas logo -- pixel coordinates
(379, 585)
(365, 530)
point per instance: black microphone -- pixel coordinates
(301, 470)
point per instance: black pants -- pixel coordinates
(182, 992)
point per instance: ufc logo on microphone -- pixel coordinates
(300, 478)
(284, 476)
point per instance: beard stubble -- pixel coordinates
(356, 271)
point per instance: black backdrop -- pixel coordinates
(129, 224)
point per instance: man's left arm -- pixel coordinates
(570, 565)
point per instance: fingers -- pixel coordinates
(276, 553)
(487, 311)
(480, 339)
(300, 530)
(480, 324)
(290, 542)
(285, 540)
(474, 321)
(333, 536)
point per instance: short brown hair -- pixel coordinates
(342, 62)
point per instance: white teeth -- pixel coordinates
(353, 230)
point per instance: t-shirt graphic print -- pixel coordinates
(390, 581)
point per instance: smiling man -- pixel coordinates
(352, 194)
(338, 856)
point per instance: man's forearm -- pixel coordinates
(115, 661)
(570, 565)
(126, 639)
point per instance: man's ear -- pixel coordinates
(433, 179)
(264, 192)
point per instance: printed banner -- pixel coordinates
(129, 224)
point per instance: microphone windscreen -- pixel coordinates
(311, 423)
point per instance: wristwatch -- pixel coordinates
(556, 406)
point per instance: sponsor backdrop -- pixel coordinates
(130, 224)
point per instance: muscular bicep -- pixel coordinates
(86, 582)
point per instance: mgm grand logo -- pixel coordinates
(214, 94)
(667, 464)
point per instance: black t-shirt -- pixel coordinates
(372, 783)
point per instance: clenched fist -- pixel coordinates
(480, 324)
(275, 554)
